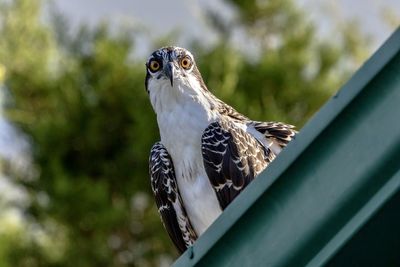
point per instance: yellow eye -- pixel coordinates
(154, 65)
(186, 62)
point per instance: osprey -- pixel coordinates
(208, 151)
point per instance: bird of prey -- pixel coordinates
(208, 151)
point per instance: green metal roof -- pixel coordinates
(332, 197)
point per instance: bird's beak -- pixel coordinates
(169, 72)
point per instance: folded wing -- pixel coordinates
(232, 158)
(168, 199)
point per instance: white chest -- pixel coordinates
(181, 126)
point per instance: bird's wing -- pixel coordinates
(232, 158)
(278, 132)
(168, 199)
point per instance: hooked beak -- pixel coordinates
(169, 72)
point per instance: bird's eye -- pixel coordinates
(154, 65)
(186, 62)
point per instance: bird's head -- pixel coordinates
(172, 67)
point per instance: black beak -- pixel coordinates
(169, 72)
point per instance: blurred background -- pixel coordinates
(76, 126)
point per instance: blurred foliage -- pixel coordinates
(80, 100)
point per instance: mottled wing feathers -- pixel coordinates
(279, 132)
(232, 158)
(168, 200)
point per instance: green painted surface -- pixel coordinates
(330, 190)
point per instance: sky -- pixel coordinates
(160, 17)
(188, 16)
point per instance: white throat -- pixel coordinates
(183, 112)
